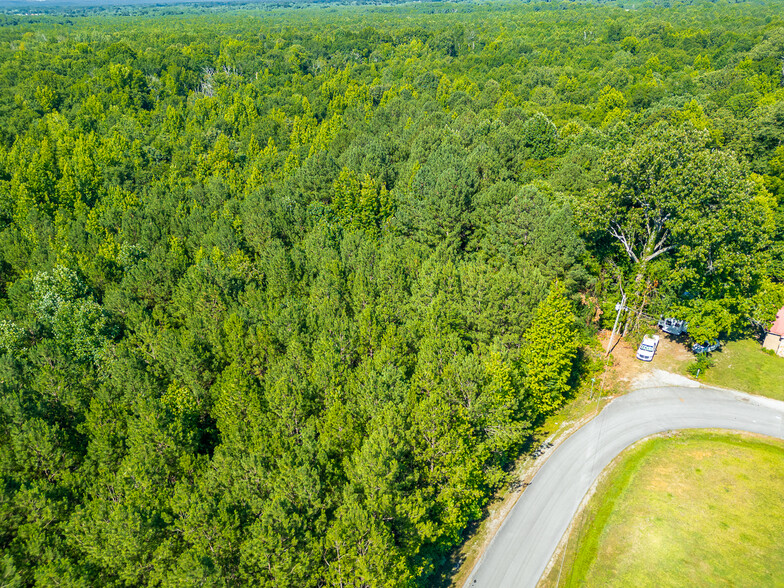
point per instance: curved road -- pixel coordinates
(520, 551)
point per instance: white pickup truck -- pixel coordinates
(647, 348)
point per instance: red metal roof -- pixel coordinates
(777, 328)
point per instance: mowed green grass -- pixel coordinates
(694, 509)
(743, 365)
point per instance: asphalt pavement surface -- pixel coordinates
(521, 549)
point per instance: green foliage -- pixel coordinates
(11, 337)
(62, 306)
(283, 291)
(539, 136)
(699, 365)
(551, 348)
(361, 204)
(766, 304)
(674, 210)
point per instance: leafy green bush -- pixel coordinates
(700, 364)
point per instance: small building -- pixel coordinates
(774, 339)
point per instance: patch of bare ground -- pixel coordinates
(625, 372)
(622, 366)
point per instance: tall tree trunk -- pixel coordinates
(638, 296)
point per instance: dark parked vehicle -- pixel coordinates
(706, 346)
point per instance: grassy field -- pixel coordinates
(694, 508)
(743, 365)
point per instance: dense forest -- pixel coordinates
(283, 292)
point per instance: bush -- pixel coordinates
(702, 363)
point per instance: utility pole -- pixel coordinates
(619, 307)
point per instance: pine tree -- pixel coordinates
(551, 348)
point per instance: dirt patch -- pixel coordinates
(622, 366)
(674, 354)
(625, 372)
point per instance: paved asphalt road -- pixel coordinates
(523, 546)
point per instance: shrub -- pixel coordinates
(700, 364)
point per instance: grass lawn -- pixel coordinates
(694, 508)
(743, 365)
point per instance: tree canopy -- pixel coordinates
(679, 212)
(285, 290)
